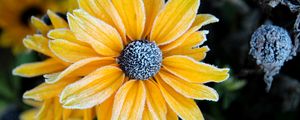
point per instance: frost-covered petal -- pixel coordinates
(155, 101)
(193, 71)
(56, 20)
(47, 91)
(81, 68)
(66, 34)
(189, 90)
(188, 38)
(147, 115)
(93, 89)
(104, 39)
(129, 101)
(204, 19)
(69, 51)
(104, 110)
(174, 20)
(38, 68)
(132, 13)
(190, 47)
(40, 25)
(171, 115)
(186, 108)
(38, 43)
(152, 8)
(104, 10)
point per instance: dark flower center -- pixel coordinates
(27, 13)
(141, 59)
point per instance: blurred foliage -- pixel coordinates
(228, 90)
(11, 86)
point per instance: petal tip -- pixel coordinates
(16, 72)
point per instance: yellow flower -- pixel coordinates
(130, 59)
(45, 96)
(15, 18)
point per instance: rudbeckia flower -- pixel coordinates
(130, 59)
(45, 97)
(15, 18)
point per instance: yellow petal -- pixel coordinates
(191, 36)
(77, 114)
(32, 102)
(147, 115)
(66, 34)
(88, 114)
(47, 91)
(201, 20)
(105, 10)
(66, 114)
(56, 20)
(174, 20)
(193, 71)
(133, 16)
(155, 102)
(189, 90)
(28, 114)
(130, 101)
(204, 19)
(46, 112)
(57, 110)
(69, 51)
(152, 8)
(197, 53)
(40, 25)
(190, 47)
(81, 68)
(102, 37)
(186, 108)
(38, 43)
(38, 68)
(93, 89)
(193, 41)
(171, 115)
(104, 110)
(112, 11)
(93, 9)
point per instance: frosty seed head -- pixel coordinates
(141, 59)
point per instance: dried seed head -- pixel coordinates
(271, 46)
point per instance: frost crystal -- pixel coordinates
(271, 46)
(141, 59)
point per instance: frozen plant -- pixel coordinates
(271, 46)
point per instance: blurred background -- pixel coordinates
(243, 96)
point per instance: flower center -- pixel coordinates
(141, 59)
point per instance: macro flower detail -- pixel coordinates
(130, 59)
